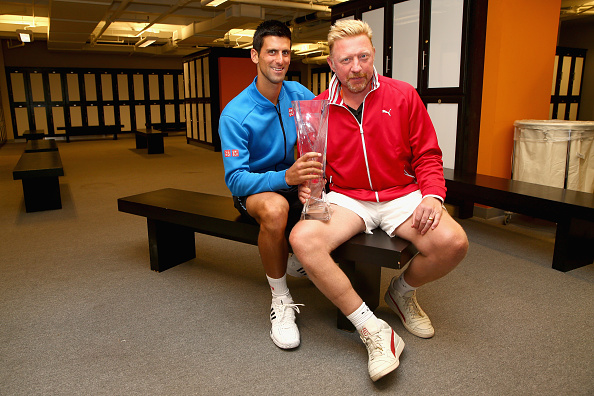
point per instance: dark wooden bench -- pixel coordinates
(39, 172)
(173, 216)
(573, 211)
(91, 130)
(169, 126)
(33, 146)
(150, 139)
(34, 134)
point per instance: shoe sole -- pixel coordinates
(388, 299)
(394, 366)
(284, 346)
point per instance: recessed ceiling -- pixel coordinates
(180, 27)
(572, 9)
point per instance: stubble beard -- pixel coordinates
(356, 88)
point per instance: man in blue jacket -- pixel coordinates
(258, 138)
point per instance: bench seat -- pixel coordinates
(573, 211)
(41, 145)
(39, 172)
(91, 130)
(169, 126)
(173, 216)
(34, 134)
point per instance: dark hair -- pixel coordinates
(269, 28)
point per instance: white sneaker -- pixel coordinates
(410, 313)
(284, 332)
(294, 267)
(384, 347)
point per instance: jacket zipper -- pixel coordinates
(280, 118)
(365, 150)
(363, 143)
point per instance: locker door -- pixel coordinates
(375, 19)
(445, 120)
(106, 87)
(405, 41)
(445, 44)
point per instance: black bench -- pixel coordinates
(33, 146)
(169, 126)
(34, 134)
(39, 172)
(173, 216)
(150, 139)
(91, 130)
(573, 211)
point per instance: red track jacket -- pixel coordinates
(393, 151)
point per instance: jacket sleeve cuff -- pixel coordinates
(278, 182)
(434, 196)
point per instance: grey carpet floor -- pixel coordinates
(82, 314)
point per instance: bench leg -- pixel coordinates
(155, 144)
(466, 210)
(573, 244)
(366, 280)
(141, 141)
(169, 244)
(42, 193)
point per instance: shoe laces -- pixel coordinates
(281, 309)
(412, 306)
(373, 342)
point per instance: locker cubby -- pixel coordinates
(52, 98)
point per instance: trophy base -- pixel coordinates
(316, 211)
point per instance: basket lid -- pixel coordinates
(556, 124)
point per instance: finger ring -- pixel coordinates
(430, 219)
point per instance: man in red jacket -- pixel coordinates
(384, 169)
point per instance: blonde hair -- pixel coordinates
(348, 28)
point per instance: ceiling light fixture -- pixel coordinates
(26, 36)
(145, 41)
(309, 49)
(212, 3)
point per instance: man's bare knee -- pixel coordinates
(300, 238)
(272, 215)
(450, 250)
(456, 244)
(306, 240)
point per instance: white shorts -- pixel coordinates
(385, 215)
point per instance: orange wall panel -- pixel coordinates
(519, 59)
(235, 74)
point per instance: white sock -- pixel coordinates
(279, 287)
(401, 286)
(360, 316)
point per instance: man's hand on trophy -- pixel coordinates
(304, 193)
(307, 167)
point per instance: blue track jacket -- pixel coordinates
(256, 149)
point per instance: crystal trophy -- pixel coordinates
(311, 121)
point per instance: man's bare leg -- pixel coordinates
(312, 242)
(440, 251)
(271, 211)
